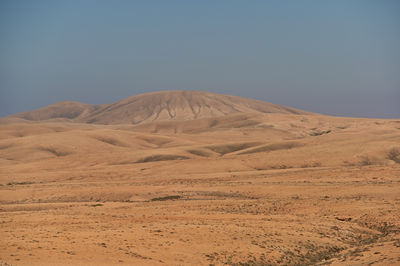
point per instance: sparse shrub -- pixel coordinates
(266, 126)
(161, 157)
(348, 163)
(199, 153)
(19, 134)
(365, 160)
(213, 123)
(5, 146)
(308, 165)
(280, 166)
(54, 151)
(304, 165)
(20, 183)
(316, 164)
(394, 155)
(173, 197)
(319, 132)
(110, 141)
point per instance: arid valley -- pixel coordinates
(193, 178)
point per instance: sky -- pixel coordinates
(333, 57)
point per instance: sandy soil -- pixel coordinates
(240, 190)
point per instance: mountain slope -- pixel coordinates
(156, 106)
(61, 110)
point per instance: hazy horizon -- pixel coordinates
(338, 58)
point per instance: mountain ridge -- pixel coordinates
(155, 106)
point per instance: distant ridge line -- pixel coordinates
(156, 106)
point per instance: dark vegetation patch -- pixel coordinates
(156, 141)
(343, 219)
(172, 197)
(213, 123)
(229, 148)
(5, 146)
(315, 254)
(96, 205)
(266, 126)
(280, 166)
(319, 132)
(365, 160)
(274, 147)
(162, 157)
(221, 194)
(309, 165)
(273, 167)
(122, 163)
(111, 141)
(19, 134)
(54, 151)
(394, 154)
(383, 227)
(305, 254)
(20, 183)
(199, 153)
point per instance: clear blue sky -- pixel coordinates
(336, 57)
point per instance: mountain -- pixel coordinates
(249, 172)
(156, 106)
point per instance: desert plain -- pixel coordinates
(181, 186)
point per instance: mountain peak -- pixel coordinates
(156, 106)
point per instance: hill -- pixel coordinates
(156, 106)
(192, 178)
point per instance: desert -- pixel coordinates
(195, 178)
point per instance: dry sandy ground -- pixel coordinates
(239, 190)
